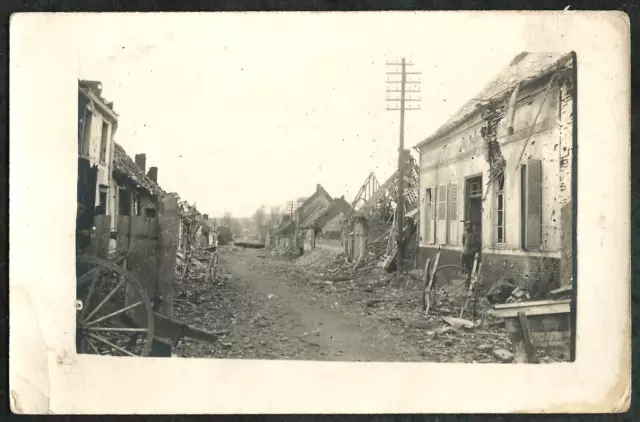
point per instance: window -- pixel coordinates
(531, 205)
(500, 208)
(149, 212)
(124, 202)
(85, 142)
(103, 142)
(103, 199)
(475, 188)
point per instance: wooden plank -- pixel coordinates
(540, 323)
(122, 240)
(168, 225)
(552, 342)
(517, 348)
(142, 259)
(167, 247)
(101, 235)
(529, 345)
(542, 307)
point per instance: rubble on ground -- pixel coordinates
(374, 293)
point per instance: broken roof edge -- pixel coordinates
(447, 128)
(125, 169)
(101, 102)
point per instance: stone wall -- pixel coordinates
(534, 273)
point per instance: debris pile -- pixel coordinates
(369, 291)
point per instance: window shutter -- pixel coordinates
(534, 204)
(442, 202)
(453, 202)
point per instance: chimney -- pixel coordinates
(318, 187)
(141, 162)
(205, 217)
(153, 174)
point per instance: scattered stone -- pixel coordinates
(501, 290)
(458, 323)
(423, 325)
(503, 355)
(227, 345)
(485, 348)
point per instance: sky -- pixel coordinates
(249, 109)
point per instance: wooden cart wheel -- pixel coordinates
(445, 275)
(114, 315)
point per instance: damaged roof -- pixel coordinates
(92, 90)
(525, 67)
(338, 206)
(125, 166)
(390, 186)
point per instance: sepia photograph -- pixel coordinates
(295, 213)
(455, 246)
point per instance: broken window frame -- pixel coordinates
(500, 222)
(125, 203)
(104, 140)
(85, 143)
(103, 197)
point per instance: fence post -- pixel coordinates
(168, 239)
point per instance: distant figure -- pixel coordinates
(470, 246)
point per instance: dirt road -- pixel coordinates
(273, 309)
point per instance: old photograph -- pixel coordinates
(320, 213)
(306, 234)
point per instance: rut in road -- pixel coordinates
(336, 332)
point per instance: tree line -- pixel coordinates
(255, 227)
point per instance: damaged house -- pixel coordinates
(323, 227)
(137, 192)
(371, 227)
(97, 124)
(504, 162)
(291, 228)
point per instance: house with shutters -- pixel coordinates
(504, 162)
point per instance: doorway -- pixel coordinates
(473, 201)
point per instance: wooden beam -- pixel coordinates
(529, 346)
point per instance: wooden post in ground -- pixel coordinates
(101, 236)
(167, 248)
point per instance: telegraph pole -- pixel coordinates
(402, 154)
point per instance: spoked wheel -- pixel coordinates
(114, 315)
(453, 280)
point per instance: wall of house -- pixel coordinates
(309, 240)
(461, 154)
(95, 141)
(333, 245)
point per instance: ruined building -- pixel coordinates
(504, 162)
